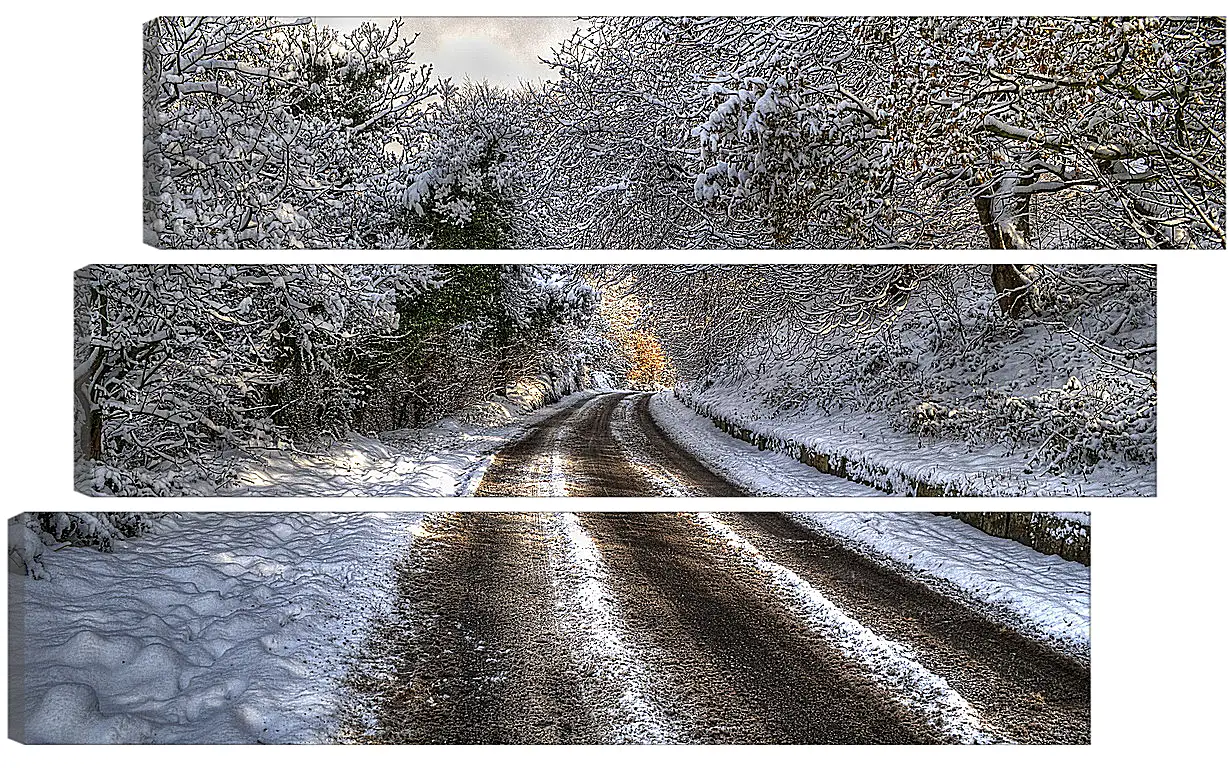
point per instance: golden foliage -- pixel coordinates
(649, 364)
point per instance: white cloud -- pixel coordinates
(501, 50)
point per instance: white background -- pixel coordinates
(71, 185)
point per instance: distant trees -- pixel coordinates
(477, 331)
(649, 364)
(709, 316)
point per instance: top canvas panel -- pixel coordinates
(673, 133)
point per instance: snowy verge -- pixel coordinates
(1044, 597)
(211, 628)
(445, 459)
(865, 448)
(764, 473)
(1066, 534)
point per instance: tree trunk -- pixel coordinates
(1145, 219)
(88, 416)
(1005, 217)
(1013, 285)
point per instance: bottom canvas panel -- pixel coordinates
(595, 628)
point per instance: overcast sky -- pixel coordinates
(500, 50)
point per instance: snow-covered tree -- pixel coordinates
(177, 362)
(181, 368)
(615, 155)
(1060, 131)
(472, 191)
(268, 133)
(1010, 132)
(786, 139)
(681, 132)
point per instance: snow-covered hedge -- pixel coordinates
(1072, 428)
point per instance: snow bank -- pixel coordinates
(444, 459)
(866, 448)
(764, 473)
(1050, 533)
(1044, 597)
(213, 628)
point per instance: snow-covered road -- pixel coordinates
(625, 444)
(593, 443)
(694, 628)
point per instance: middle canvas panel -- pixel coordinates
(804, 380)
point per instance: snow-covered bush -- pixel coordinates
(785, 137)
(31, 534)
(1072, 428)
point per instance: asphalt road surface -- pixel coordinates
(605, 445)
(688, 628)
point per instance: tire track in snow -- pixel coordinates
(635, 445)
(473, 652)
(1023, 690)
(888, 662)
(661, 464)
(588, 612)
(560, 466)
(608, 445)
(524, 467)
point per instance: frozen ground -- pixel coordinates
(212, 628)
(1042, 596)
(442, 460)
